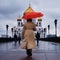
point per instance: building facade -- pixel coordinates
(38, 22)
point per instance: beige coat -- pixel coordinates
(28, 36)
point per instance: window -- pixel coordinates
(39, 23)
(18, 23)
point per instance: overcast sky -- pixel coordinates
(10, 10)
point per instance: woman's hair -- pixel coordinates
(29, 20)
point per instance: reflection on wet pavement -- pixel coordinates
(27, 58)
(43, 46)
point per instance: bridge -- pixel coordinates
(44, 51)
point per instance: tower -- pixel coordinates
(39, 23)
(19, 25)
(28, 10)
(19, 20)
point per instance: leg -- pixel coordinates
(29, 52)
(19, 42)
(15, 42)
(37, 42)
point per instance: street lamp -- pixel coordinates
(55, 21)
(12, 31)
(44, 32)
(48, 29)
(7, 30)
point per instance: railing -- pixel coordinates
(56, 39)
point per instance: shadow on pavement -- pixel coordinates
(27, 58)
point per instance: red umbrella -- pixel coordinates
(31, 15)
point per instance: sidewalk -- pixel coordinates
(45, 51)
(17, 55)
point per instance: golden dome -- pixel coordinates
(29, 9)
(39, 19)
(19, 18)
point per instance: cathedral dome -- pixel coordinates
(39, 19)
(29, 9)
(19, 18)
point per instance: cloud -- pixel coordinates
(10, 6)
(10, 10)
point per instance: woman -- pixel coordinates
(28, 36)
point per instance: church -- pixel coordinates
(38, 22)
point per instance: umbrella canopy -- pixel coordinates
(31, 15)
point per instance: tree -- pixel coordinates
(7, 30)
(55, 21)
(48, 29)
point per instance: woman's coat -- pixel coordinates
(28, 36)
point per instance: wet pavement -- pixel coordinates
(45, 51)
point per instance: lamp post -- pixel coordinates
(12, 31)
(48, 29)
(55, 21)
(44, 32)
(7, 30)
